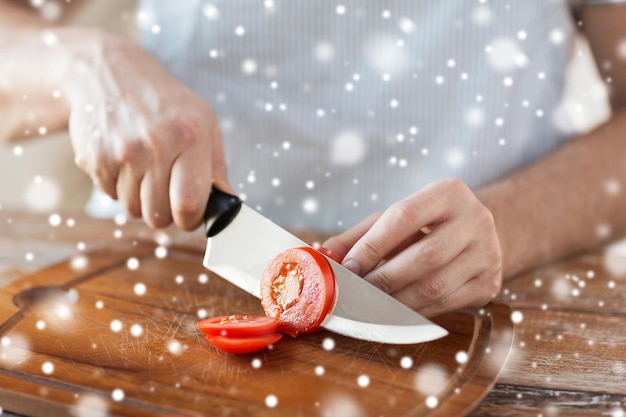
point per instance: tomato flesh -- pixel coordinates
(238, 325)
(244, 344)
(298, 289)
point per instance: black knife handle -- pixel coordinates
(220, 210)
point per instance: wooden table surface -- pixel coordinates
(569, 344)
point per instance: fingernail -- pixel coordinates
(352, 266)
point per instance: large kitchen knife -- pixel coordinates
(241, 242)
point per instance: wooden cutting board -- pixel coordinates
(112, 333)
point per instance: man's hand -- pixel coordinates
(144, 138)
(436, 251)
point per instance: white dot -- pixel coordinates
(363, 381)
(18, 150)
(508, 81)
(341, 9)
(517, 316)
(55, 220)
(406, 25)
(406, 362)
(394, 103)
(522, 35)
(461, 357)
(179, 279)
(324, 52)
(29, 256)
(286, 145)
(211, 12)
(432, 401)
(99, 305)
(139, 288)
(40, 325)
(557, 36)
(203, 278)
(240, 31)
(328, 343)
(132, 263)
(160, 252)
(249, 66)
(202, 313)
(116, 326)
(117, 395)
(386, 14)
(47, 368)
(256, 363)
(156, 29)
(275, 182)
(271, 401)
(349, 86)
(309, 185)
(175, 347)
(319, 370)
(136, 330)
(79, 262)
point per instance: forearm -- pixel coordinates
(573, 199)
(33, 72)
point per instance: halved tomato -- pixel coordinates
(238, 325)
(298, 289)
(246, 344)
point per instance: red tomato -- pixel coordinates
(298, 289)
(238, 325)
(244, 344)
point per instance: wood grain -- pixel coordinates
(164, 366)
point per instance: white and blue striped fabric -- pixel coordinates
(332, 110)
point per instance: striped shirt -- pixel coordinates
(332, 110)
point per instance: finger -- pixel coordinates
(189, 188)
(473, 294)
(155, 201)
(340, 244)
(433, 293)
(398, 223)
(128, 189)
(421, 259)
(99, 166)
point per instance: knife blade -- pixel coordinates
(241, 242)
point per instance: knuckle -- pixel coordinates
(431, 255)
(130, 151)
(402, 213)
(187, 211)
(454, 185)
(371, 251)
(186, 130)
(433, 289)
(381, 279)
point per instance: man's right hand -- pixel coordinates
(144, 138)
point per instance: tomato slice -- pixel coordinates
(298, 289)
(242, 345)
(237, 325)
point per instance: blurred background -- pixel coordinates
(38, 174)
